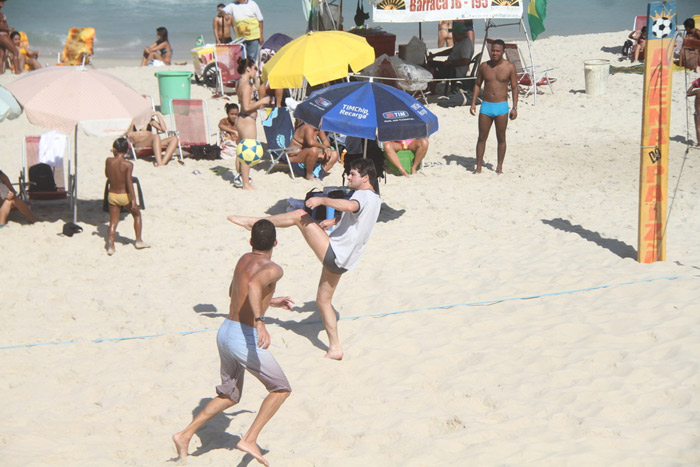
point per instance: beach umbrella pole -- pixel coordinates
(74, 185)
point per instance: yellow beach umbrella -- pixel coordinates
(319, 57)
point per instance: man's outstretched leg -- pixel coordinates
(324, 296)
(212, 409)
(249, 442)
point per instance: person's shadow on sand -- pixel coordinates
(213, 434)
(468, 163)
(310, 327)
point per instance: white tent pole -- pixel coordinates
(75, 176)
(533, 78)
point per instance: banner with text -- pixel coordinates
(656, 118)
(415, 11)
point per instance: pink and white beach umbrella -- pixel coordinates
(68, 98)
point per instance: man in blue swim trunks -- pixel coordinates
(495, 74)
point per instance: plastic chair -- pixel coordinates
(189, 120)
(78, 47)
(137, 190)
(30, 158)
(279, 130)
(524, 73)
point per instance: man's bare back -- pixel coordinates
(117, 170)
(251, 265)
(496, 76)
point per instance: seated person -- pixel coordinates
(458, 56)
(419, 146)
(144, 137)
(160, 50)
(9, 199)
(639, 38)
(6, 44)
(690, 55)
(694, 90)
(27, 57)
(229, 133)
(313, 146)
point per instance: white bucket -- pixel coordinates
(596, 72)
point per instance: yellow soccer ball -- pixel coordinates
(249, 151)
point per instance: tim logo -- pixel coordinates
(395, 114)
(323, 102)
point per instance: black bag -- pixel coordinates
(627, 47)
(458, 98)
(320, 214)
(208, 152)
(41, 178)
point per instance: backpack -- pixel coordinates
(627, 47)
(41, 178)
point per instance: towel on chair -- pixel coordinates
(52, 145)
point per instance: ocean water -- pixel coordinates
(125, 27)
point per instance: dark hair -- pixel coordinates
(162, 33)
(689, 23)
(644, 31)
(14, 33)
(230, 107)
(263, 235)
(220, 5)
(499, 42)
(121, 145)
(244, 63)
(365, 167)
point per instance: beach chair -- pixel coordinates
(143, 151)
(189, 120)
(42, 182)
(639, 22)
(78, 47)
(529, 77)
(137, 191)
(279, 130)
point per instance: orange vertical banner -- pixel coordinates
(656, 118)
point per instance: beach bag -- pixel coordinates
(208, 152)
(458, 98)
(627, 47)
(41, 178)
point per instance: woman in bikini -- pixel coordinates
(313, 146)
(246, 90)
(146, 138)
(159, 50)
(6, 44)
(444, 34)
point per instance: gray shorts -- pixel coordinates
(329, 262)
(239, 351)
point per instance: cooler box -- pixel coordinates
(406, 158)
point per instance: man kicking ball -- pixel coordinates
(342, 250)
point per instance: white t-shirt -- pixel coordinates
(244, 10)
(351, 235)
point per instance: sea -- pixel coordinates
(125, 27)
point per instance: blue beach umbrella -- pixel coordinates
(367, 110)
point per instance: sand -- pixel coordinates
(493, 320)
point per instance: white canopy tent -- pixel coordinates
(419, 11)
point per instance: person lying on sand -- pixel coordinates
(342, 250)
(254, 280)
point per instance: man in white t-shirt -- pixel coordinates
(340, 251)
(248, 24)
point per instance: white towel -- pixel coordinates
(52, 146)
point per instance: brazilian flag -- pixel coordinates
(536, 14)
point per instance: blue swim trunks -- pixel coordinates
(494, 109)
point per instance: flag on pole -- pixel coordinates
(536, 14)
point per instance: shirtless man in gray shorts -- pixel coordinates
(243, 341)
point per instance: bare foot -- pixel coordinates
(499, 170)
(253, 450)
(110, 251)
(243, 221)
(141, 245)
(248, 187)
(334, 354)
(181, 445)
(477, 170)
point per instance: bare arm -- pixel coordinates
(265, 277)
(342, 205)
(514, 90)
(217, 40)
(159, 123)
(224, 126)
(261, 32)
(477, 89)
(130, 183)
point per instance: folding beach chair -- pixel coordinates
(530, 77)
(279, 130)
(42, 182)
(639, 22)
(189, 119)
(78, 47)
(148, 150)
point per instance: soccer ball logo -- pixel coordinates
(249, 151)
(663, 27)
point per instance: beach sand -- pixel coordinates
(516, 325)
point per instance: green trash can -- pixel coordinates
(172, 85)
